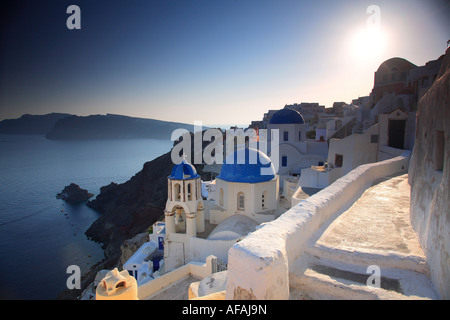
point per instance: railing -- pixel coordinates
(218, 265)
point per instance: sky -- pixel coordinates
(214, 61)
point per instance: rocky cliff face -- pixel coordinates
(429, 176)
(130, 246)
(131, 207)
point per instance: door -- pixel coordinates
(396, 134)
(176, 255)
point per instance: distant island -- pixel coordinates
(60, 126)
(31, 124)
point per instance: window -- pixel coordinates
(221, 197)
(439, 147)
(300, 136)
(403, 76)
(394, 74)
(285, 135)
(241, 201)
(374, 138)
(338, 160)
(189, 193)
(284, 161)
(263, 200)
(177, 192)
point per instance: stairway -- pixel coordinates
(374, 234)
(328, 274)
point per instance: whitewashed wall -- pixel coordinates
(198, 270)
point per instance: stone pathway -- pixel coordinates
(176, 291)
(375, 233)
(379, 220)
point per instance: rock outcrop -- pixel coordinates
(74, 194)
(429, 176)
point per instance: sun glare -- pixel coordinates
(368, 43)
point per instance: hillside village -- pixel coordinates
(296, 232)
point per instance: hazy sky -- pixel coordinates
(215, 61)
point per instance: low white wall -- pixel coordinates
(258, 266)
(289, 187)
(315, 179)
(200, 249)
(199, 270)
(386, 152)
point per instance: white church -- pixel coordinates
(244, 199)
(296, 152)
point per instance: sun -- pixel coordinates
(368, 43)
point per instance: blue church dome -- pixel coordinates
(287, 116)
(183, 171)
(247, 172)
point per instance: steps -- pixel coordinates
(324, 274)
(374, 232)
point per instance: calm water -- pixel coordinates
(40, 236)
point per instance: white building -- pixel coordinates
(144, 262)
(384, 140)
(295, 150)
(244, 188)
(244, 195)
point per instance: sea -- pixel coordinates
(40, 235)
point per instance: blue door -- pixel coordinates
(161, 243)
(155, 265)
(284, 161)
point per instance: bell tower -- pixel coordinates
(184, 206)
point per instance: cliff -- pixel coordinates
(429, 176)
(112, 127)
(31, 124)
(131, 207)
